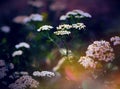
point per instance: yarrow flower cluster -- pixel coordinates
(97, 51)
(45, 27)
(82, 13)
(21, 73)
(87, 62)
(3, 72)
(75, 14)
(115, 40)
(64, 27)
(5, 29)
(24, 73)
(33, 17)
(22, 44)
(17, 53)
(43, 74)
(100, 50)
(78, 26)
(24, 82)
(5, 68)
(62, 32)
(64, 51)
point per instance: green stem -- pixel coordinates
(53, 41)
(65, 45)
(72, 20)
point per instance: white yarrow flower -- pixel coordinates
(43, 74)
(33, 17)
(76, 14)
(115, 40)
(63, 51)
(63, 17)
(22, 44)
(62, 32)
(36, 17)
(24, 73)
(17, 53)
(82, 13)
(45, 27)
(64, 27)
(5, 29)
(78, 26)
(71, 13)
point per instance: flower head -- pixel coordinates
(62, 32)
(5, 29)
(87, 62)
(17, 53)
(78, 26)
(45, 27)
(64, 27)
(22, 44)
(24, 73)
(76, 14)
(24, 82)
(64, 51)
(71, 13)
(43, 74)
(82, 13)
(100, 50)
(63, 17)
(115, 40)
(33, 17)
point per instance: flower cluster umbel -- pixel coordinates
(24, 82)
(115, 40)
(97, 51)
(43, 74)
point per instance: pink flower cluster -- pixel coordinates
(97, 51)
(115, 40)
(87, 62)
(24, 82)
(100, 50)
